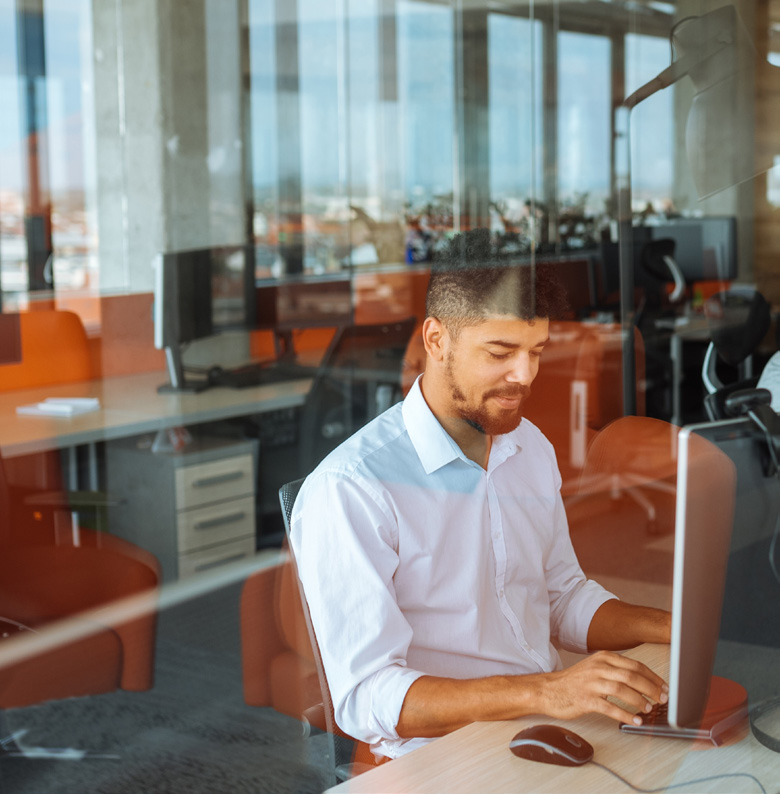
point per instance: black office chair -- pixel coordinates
(738, 321)
(359, 378)
(344, 752)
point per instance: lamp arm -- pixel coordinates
(679, 69)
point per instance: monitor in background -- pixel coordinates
(705, 248)
(284, 306)
(198, 293)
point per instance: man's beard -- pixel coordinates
(478, 416)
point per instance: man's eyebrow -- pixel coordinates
(514, 345)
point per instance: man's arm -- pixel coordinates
(617, 625)
(436, 706)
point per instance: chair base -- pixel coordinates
(12, 747)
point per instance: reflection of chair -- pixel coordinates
(342, 746)
(278, 667)
(54, 351)
(42, 584)
(359, 378)
(629, 455)
(738, 321)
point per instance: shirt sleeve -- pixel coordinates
(345, 548)
(574, 599)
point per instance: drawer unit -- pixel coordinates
(193, 509)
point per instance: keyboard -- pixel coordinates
(258, 375)
(656, 723)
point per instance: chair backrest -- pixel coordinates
(359, 377)
(341, 744)
(54, 350)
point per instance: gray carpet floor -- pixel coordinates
(191, 733)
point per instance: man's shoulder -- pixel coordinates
(377, 443)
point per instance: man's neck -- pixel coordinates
(473, 442)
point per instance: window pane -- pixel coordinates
(583, 120)
(516, 159)
(652, 124)
(426, 83)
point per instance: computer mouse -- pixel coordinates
(214, 375)
(551, 744)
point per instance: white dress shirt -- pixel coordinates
(415, 561)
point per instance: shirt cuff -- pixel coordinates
(386, 690)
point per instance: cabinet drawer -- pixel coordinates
(217, 523)
(217, 480)
(208, 559)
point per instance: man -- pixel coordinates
(433, 545)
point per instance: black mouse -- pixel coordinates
(214, 375)
(551, 744)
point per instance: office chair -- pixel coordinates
(45, 588)
(629, 455)
(738, 320)
(349, 756)
(54, 351)
(360, 377)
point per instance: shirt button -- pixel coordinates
(501, 592)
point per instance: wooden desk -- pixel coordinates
(477, 758)
(130, 405)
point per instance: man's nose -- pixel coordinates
(521, 371)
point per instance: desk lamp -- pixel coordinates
(716, 52)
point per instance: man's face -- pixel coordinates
(489, 370)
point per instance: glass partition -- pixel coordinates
(301, 165)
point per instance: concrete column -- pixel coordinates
(169, 131)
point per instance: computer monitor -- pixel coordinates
(199, 293)
(728, 493)
(705, 248)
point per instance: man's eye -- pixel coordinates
(536, 353)
(498, 356)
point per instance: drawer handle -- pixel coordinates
(207, 566)
(219, 479)
(220, 520)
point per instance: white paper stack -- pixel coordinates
(60, 406)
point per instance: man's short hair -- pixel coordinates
(471, 280)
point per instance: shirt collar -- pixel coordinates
(434, 445)
(431, 442)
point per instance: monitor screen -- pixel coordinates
(705, 248)
(202, 292)
(726, 501)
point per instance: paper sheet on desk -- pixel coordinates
(60, 406)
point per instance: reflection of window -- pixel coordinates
(47, 148)
(652, 123)
(515, 63)
(584, 85)
(13, 248)
(426, 80)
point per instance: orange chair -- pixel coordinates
(43, 584)
(280, 657)
(633, 455)
(54, 350)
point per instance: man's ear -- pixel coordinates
(435, 338)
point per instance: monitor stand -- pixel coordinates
(178, 383)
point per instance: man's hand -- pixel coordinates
(584, 688)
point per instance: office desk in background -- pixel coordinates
(130, 405)
(478, 758)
